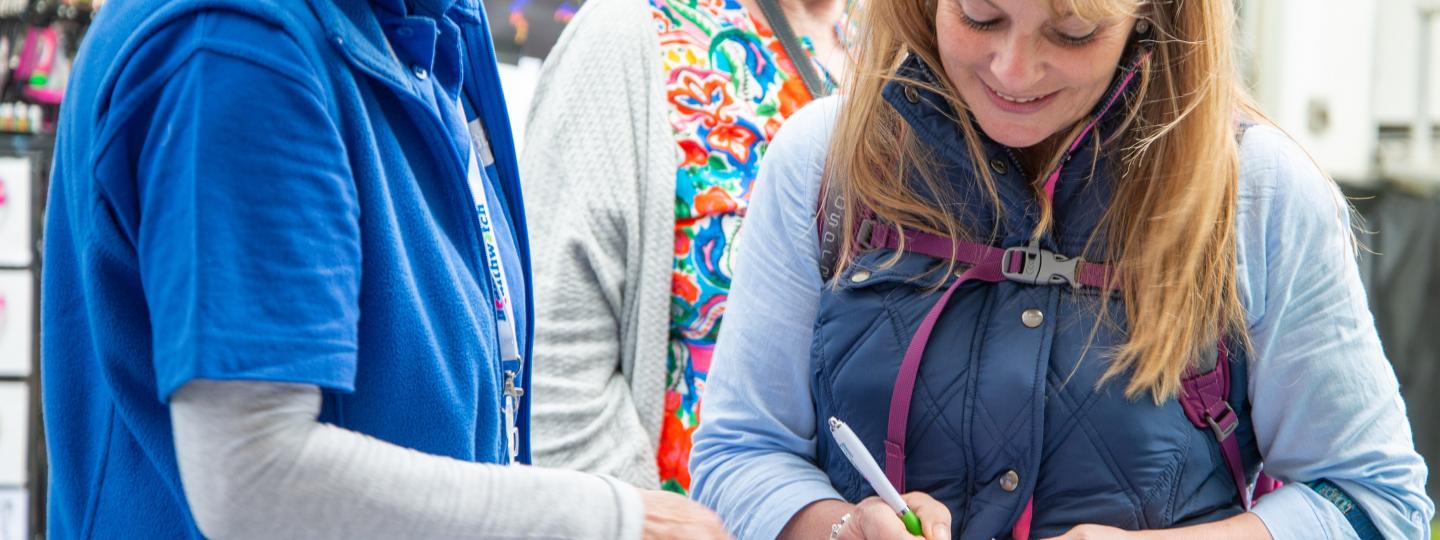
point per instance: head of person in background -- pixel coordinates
(1073, 287)
(639, 202)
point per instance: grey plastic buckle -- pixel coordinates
(1225, 425)
(865, 234)
(1039, 266)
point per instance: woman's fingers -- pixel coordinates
(934, 517)
(872, 519)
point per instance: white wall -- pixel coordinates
(1397, 63)
(1314, 73)
(518, 82)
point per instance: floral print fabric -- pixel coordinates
(729, 86)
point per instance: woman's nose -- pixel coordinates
(1016, 66)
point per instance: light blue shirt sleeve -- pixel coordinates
(754, 453)
(1325, 401)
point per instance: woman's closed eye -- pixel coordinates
(1077, 41)
(1067, 37)
(979, 25)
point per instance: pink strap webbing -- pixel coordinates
(1074, 144)
(985, 269)
(1205, 397)
(1021, 530)
(1089, 274)
(986, 263)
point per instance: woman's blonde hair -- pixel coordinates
(1170, 227)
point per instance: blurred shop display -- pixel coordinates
(22, 469)
(524, 32)
(17, 343)
(14, 433)
(527, 28)
(16, 249)
(38, 43)
(1358, 83)
(14, 504)
(38, 40)
(15, 499)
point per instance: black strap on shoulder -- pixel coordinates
(798, 56)
(832, 205)
(828, 220)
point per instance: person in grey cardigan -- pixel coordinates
(643, 140)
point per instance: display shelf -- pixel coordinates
(24, 171)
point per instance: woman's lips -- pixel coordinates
(1018, 104)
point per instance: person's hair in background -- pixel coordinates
(1171, 224)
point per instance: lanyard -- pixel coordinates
(478, 178)
(481, 170)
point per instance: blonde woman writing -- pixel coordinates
(1066, 282)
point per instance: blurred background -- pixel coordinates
(1355, 81)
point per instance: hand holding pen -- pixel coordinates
(888, 515)
(873, 519)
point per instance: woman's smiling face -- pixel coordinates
(1027, 73)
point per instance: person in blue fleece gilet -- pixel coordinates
(285, 291)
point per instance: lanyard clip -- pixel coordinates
(512, 409)
(511, 390)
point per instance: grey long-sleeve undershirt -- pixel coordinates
(256, 463)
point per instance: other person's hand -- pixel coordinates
(669, 516)
(872, 519)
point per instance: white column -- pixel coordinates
(1422, 143)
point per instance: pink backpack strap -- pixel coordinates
(1021, 530)
(1205, 396)
(986, 268)
(1030, 264)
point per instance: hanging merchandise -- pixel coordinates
(12, 8)
(76, 10)
(6, 48)
(16, 245)
(41, 71)
(21, 117)
(47, 86)
(4, 203)
(16, 325)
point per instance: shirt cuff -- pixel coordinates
(629, 507)
(1297, 512)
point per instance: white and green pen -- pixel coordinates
(860, 458)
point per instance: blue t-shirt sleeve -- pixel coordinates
(248, 234)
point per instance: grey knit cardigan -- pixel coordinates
(599, 179)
